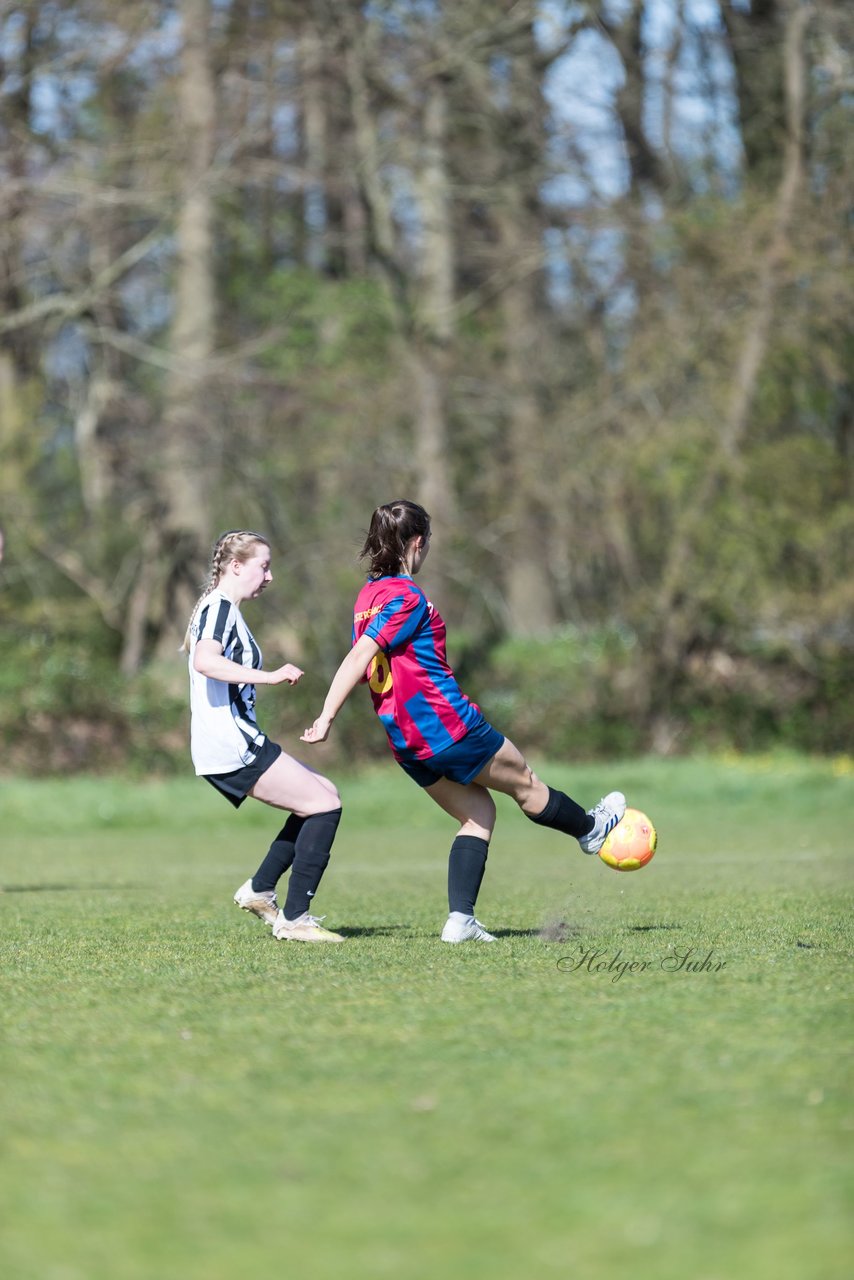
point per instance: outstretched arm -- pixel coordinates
(343, 683)
(209, 660)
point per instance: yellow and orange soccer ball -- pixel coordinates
(631, 844)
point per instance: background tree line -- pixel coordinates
(576, 276)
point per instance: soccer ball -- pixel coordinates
(631, 844)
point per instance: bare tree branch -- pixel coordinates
(66, 306)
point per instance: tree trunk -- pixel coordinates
(434, 328)
(424, 299)
(94, 473)
(185, 528)
(19, 349)
(644, 164)
(529, 590)
(756, 35)
(677, 606)
(314, 132)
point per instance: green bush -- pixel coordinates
(65, 708)
(568, 695)
(576, 694)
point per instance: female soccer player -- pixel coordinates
(437, 735)
(231, 752)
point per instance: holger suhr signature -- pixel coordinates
(688, 960)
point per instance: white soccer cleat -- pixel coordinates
(305, 928)
(606, 814)
(263, 905)
(460, 928)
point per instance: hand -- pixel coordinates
(319, 731)
(288, 674)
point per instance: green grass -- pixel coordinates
(184, 1099)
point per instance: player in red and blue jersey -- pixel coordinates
(421, 706)
(436, 733)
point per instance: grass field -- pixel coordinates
(185, 1099)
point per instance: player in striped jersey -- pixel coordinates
(436, 733)
(238, 759)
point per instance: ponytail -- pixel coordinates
(393, 525)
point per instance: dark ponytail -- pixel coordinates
(392, 527)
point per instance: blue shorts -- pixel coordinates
(461, 762)
(235, 786)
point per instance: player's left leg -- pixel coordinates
(312, 848)
(509, 772)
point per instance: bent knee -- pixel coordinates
(334, 798)
(481, 819)
(327, 792)
(326, 798)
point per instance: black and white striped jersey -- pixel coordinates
(224, 733)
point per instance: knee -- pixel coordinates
(533, 796)
(329, 795)
(481, 820)
(324, 799)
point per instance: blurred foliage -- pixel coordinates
(577, 694)
(694, 580)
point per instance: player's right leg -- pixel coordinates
(474, 809)
(471, 805)
(289, 784)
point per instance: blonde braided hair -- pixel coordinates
(234, 544)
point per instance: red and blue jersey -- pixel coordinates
(421, 706)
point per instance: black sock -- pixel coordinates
(313, 845)
(279, 856)
(563, 814)
(466, 865)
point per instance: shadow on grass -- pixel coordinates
(648, 928)
(377, 931)
(563, 931)
(387, 930)
(65, 888)
(520, 933)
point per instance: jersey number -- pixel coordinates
(379, 673)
